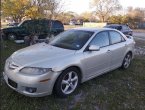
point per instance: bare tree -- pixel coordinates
(48, 8)
(105, 8)
(136, 16)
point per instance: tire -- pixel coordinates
(11, 36)
(67, 82)
(127, 61)
(27, 40)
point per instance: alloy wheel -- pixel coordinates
(127, 61)
(69, 82)
(11, 37)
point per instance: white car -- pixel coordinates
(73, 57)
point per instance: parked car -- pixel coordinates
(73, 57)
(43, 27)
(121, 27)
(13, 24)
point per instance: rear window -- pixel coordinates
(114, 27)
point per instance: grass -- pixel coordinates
(140, 43)
(116, 90)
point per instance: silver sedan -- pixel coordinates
(73, 57)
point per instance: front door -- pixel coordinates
(97, 62)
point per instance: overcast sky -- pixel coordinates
(80, 6)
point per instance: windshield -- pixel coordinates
(24, 23)
(20, 23)
(72, 39)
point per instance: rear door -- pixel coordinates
(118, 48)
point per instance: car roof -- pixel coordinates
(93, 29)
(116, 25)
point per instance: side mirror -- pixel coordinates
(94, 48)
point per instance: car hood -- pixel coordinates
(39, 53)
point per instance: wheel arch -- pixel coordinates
(130, 52)
(72, 66)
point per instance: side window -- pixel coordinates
(101, 39)
(57, 25)
(25, 23)
(119, 28)
(28, 25)
(116, 37)
(41, 26)
(125, 27)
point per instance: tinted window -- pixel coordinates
(26, 23)
(57, 24)
(125, 28)
(72, 39)
(101, 39)
(116, 37)
(42, 26)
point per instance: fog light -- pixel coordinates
(30, 89)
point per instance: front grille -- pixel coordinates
(12, 83)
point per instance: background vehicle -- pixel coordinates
(73, 57)
(13, 24)
(42, 27)
(121, 27)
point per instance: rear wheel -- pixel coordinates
(67, 82)
(127, 61)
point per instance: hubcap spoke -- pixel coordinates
(74, 79)
(65, 82)
(72, 86)
(70, 76)
(66, 88)
(127, 61)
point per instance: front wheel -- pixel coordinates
(11, 36)
(126, 61)
(67, 82)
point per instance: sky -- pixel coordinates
(80, 6)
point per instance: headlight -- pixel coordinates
(35, 70)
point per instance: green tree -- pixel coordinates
(14, 8)
(119, 19)
(65, 17)
(17, 9)
(88, 17)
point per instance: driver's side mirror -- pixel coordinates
(94, 48)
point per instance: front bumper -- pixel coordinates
(21, 83)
